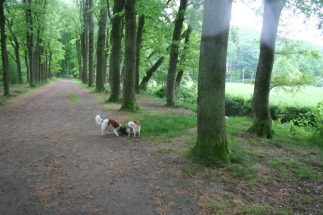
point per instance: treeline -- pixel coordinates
(171, 41)
(50, 38)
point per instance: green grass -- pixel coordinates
(308, 96)
(73, 97)
(169, 126)
(294, 156)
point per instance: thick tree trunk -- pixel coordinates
(37, 58)
(107, 44)
(16, 47)
(50, 64)
(140, 31)
(30, 43)
(18, 61)
(91, 44)
(85, 57)
(85, 44)
(211, 145)
(115, 57)
(262, 124)
(27, 65)
(149, 73)
(173, 57)
(5, 62)
(79, 57)
(100, 51)
(129, 100)
(183, 58)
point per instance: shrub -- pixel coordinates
(161, 92)
(288, 113)
(186, 95)
(313, 118)
(234, 105)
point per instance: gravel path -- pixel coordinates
(53, 160)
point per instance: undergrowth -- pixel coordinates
(292, 157)
(169, 126)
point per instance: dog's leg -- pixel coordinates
(116, 133)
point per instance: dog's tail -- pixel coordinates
(98, 120)
(104, 124)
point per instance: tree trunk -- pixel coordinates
(187, 39)
(79, 57)
(91, 44)
(140, 31)
(18, 61)
(173, 57)
(27, 65)
(115, 57)
(50, 64)
(144, 82)
(85, 44)
(37, 57)
(262, 124)
(16, 47)
(30, 43)
(211, 145)
(129, 99)
(107, 44)
(100, 50)
(5, 62)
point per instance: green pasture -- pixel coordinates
(308, 96)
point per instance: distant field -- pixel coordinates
(308, 96)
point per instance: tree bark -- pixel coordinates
(140, 31)
(5, 62)
(129, 100)
(149, 73)
(187, 39)
(85, 44)
(115, 56)
(211, 145)
(16, 47)
(100, 50)
(173, 57)
(30, 43)
(78, 45)
(262, 124)
(91, 44)
(50, 64)
(27, 65)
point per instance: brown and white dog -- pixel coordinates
(133, 127)
(106, 123)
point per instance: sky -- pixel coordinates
(294, 27)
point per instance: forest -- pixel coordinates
(219, 135)
(158, 47)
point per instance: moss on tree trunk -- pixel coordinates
(129, 106)
(211, 145)
(211, 150)
(260, 106)
(262, 128)
(113, 97)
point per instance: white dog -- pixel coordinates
(106, 123)
(133, 127)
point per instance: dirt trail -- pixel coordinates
(53, 160)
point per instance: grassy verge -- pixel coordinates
(73, 97)
(279, 176)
